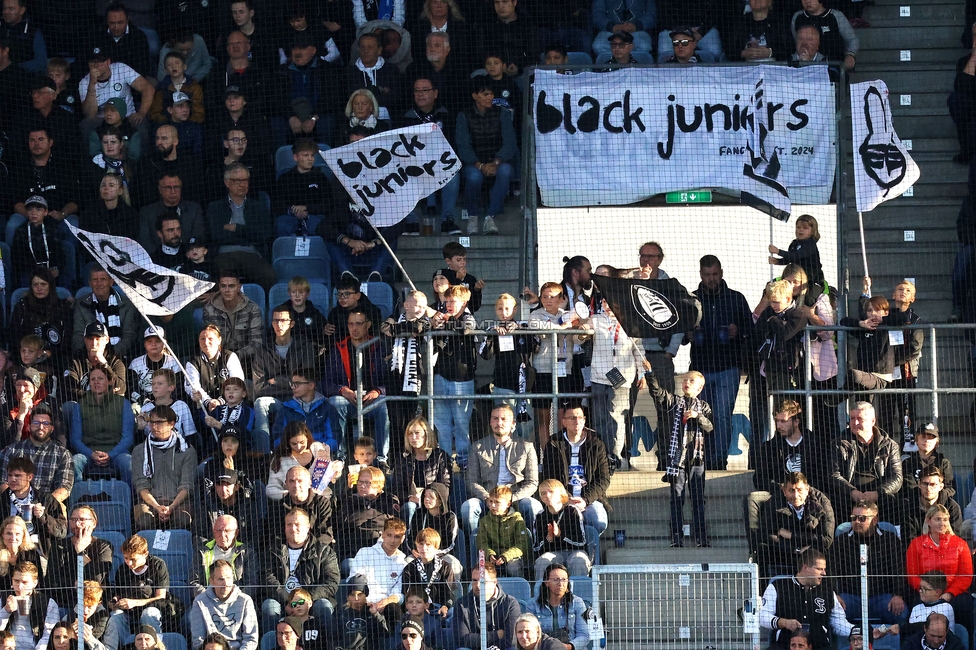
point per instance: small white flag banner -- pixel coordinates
(388, 173)
(883, 170)
(761, 187)
(152, 289)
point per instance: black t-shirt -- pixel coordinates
(130, 585)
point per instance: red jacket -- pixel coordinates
(951, 556)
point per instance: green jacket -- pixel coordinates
(505, 537)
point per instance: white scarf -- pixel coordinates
(405, 360)
(148, 466)
(371, 72)
(370, 122)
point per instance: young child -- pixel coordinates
(309, 321)
(559, 532)
(779, 325)
(803, 250)
(196, 263)
(905, 375)
(299, 605)
(419, 614)
(507, 92)
(502, 534)
(164, 394)
(364, 455)
(457, 360)
(356, 626)
(302, 194)
(232, 410)
(931, 587)
(178, 109)
(513, 373)
(33, 355)
(551, 316)
(408, 366)
(435, 513)
(428, 571)
(456, 273)
(142, 368)
(688, 420)
(67, 99)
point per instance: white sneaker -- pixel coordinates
(489, 227)
(472, 225)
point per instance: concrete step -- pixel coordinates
(893, 56)
(884, 16)
(904, 38)
(909, 77)
(667, 555)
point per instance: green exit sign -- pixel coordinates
(701, 196)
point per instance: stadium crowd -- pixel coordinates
(195, 128)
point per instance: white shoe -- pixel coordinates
(472, 225)
(489, 227)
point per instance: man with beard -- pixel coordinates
(167, 159)
(169, 229)
(47, 173)
(54, 472)
(441, 69)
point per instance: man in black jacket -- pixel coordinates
(804, 601)
(577, 458)
(913, 506)
(792, 450)
(887, 586)
(795, 519)
(865, 464)
(318, 507)
(316, 569)
(120, 40)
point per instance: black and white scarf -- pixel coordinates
(406, 360)
(429, 580)
(227, 415)
(22, 506)
(148, 465)
(679, 427)
(522, 407)
(108, 313)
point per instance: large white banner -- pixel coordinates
(153, 290)
(619, 137)
(387, 174)
(883, 170)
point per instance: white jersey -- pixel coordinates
(184, 419)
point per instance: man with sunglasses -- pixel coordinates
(684, 45)
(224, 608)
(887, 587)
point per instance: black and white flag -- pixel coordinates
(650, 308)
(388, 173)
(883, 170)
(153, 290)
(761, 187)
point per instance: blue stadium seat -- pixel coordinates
(178, 554)
(268, 639)
(964, 486)
(116, 539)
(173, 641)
(381, 295)
(517, 588)
(573, 58)
(320, 295)
(963, 635)
(286, 247)
(313, 269)
(20, 292)
(117, 490)
(256, 293)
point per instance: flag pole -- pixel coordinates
(864, 251)
(392, 254)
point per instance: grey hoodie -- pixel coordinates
(234, 617)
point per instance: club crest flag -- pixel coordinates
(883, 170)
(388, 173)
(152, 289)
(650, 308)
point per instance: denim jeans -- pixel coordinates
(346, 410)
(449, 196)
(721, 390)
(609, 411)
(286, 225)
(474, 179)
(120, 466)
(118, 629)
(594, 514)
(453, 417)
(264, 408)
(877, 608)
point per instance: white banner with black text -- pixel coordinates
(619, 137)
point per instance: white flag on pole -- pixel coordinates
(760, 184)
(388, 173)
(883, 170)
(153, 290)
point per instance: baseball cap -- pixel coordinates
(234, 90)
(228, 476)
(180, 97)
(118, 104)
(625, 37)
(42, 82)
(929, 428)
(96, 54)
(35, 199)
(154, 331)
(196, 242)
(96, 329)
(684, 30)
(232, 431)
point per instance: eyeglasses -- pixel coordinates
(280, 320)
(158, 423)
(409, 635)
(347, 294)
(238, 140)
(41, 423)
(298, 603)
(292, 384)
(82, 520)
(681, 41)
(559, 580)
(861, 518)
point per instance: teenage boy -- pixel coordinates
(456, 273)
(454, 372)
(302, 194)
